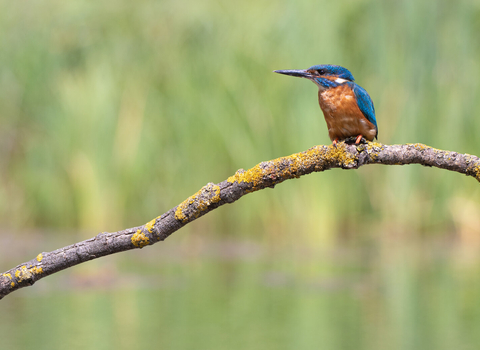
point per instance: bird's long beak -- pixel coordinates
(295, 73)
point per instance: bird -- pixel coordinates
(346, 106)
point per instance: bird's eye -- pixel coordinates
(321, 71)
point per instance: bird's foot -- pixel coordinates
(335, 143)
(355, 140)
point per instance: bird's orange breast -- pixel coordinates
(344, 118)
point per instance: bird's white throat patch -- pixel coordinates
(340, 80)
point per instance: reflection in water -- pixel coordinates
(242, 295)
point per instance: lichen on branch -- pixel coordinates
(211, 196)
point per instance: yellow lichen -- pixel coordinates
(139, 239)
(197, 203)
(422, 147)
(39, 257)
(477, 172)
(340, 155)
(374, 146)
(12, 284)
(294, 165)
(36, 270)
(23, 273)
(418, 146)
(7, 275)
(179, 215)
(253, 175)
(149, 225)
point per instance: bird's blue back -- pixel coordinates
(364, 102)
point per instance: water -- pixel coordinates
(237, 294)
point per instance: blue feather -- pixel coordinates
(331, 69)
(365, 103)
(325, 82)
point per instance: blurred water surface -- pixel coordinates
(242, 294)
(114, 112)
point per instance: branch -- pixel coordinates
(211, 196)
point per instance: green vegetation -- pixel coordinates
(114, 112)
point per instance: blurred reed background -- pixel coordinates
(114, 112)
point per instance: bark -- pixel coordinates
(211, 196)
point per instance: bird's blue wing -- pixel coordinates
(365, 103)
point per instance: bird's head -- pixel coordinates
(322, 73)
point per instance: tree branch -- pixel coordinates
(211, 196)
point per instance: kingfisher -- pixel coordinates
(346, 106)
